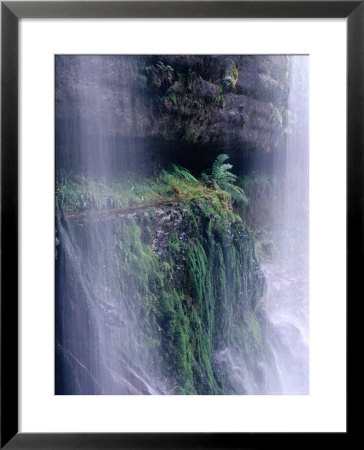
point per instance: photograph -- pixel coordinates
(181, 224)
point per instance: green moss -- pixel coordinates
(172, 97)
(76, 192)
(147, 235)
(197, 297)
(235, 75)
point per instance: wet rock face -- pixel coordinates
(219, 98)
(168, 230)
(232, 104)
(161, 292)
(167, 222)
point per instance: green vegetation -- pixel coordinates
(159, 73)
(140, 74)
(235, 75)
(165, 269)
(231, 77)
(220, 177)
(172, 97)
(76, 192)
(219, 99)
(187, 295)
(164, 67)
(185, 302)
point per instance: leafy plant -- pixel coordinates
(184, 173)
(181, 77)
(172, 97)
(162, 66)
(220, 178)
(235, 75)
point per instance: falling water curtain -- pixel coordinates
(11, 12)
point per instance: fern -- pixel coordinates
(220, 170)
(220, 177)
(184, 173)
(237, 194)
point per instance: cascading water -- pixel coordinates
(169, 297)
(98, 342)
(287, 272)
(284, 368)
(97, 336)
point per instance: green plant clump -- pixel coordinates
(172, 97)
(187, 297)
(75, 192)
(220, 177)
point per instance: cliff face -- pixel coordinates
(166, 108)
(210, 98)
(174, 291)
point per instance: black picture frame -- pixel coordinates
(11, 12)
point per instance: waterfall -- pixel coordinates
(97, 337)
(98, 333)
(165, 293)
(287, 273)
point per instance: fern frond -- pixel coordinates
(205, 177)
(220, 159)
(222, 178)
(184, 173)
(237, 194)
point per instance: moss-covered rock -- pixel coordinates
(176, 287)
